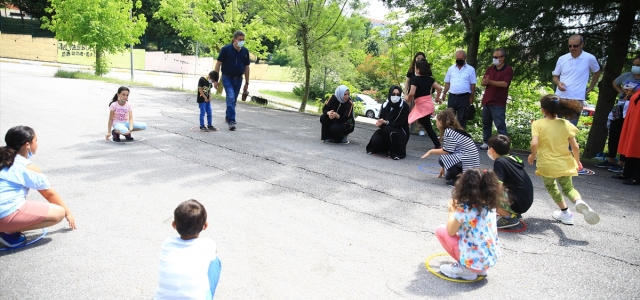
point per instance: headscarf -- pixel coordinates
(388, 102)
(340, 92)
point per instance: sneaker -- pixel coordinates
(616, 169)
(584, 171)
(329, 141)
(507, 222)
(455, 270)
(605, 164)
(344, 140)
(396, 158)
(451, 183)
(212, 128)
(519, 216)
(484, 146)
(202, 128)
(128, 137)
(12, 239)
(590, 216)
(116, 137)
(232, 126)
(369, 153)
(562, 217)
(421, 133)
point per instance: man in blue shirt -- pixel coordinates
(234, 59)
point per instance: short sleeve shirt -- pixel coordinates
(510, 171)
(184, 266)
(233, 61)
(206, 88)
(494, 95)
(630, 85)
(574, 73)
(460, 80)
(423, 85)
(479, 247)
(120, 112)
(15, 183)
(554, 157)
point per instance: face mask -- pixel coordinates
(416, 73)
(496, 61)
(635, 69)
(211, 82)
(488, 154)
(460, 62)
(395, 99)
(240, 44)
(29, 154)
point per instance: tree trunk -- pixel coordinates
(97, 66)
(472, 50)
(616, 56)
(307, 69)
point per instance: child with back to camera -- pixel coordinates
(551, 137)
(189, 266)
(470, 235)
(121, 117)
(515, 181)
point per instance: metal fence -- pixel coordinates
(28, 26)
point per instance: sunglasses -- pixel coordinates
(395, 94)
(496, 57)
(574, 46)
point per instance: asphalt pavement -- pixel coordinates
(293, 218)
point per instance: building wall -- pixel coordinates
(22, 46)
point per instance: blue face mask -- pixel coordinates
(240, 44)
(635, 69)
(29, 153)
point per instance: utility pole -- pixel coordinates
(131, 52)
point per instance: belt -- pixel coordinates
(463, 94)
(239, 77)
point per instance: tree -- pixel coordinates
(103, 25)
(310, 21)
(35, 8)
(212, 23)
(473, 16)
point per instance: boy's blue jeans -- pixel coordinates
(231, 89)
(205, 107)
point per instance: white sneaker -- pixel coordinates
(562, 217)
(455, 270)
(484, 146)
(589, 215)
(421, 132)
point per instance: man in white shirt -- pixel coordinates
(461, 82)
(572, 73)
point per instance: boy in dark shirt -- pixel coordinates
(204, 99)
(515, 180)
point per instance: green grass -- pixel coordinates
(284, 95)
(88, 76)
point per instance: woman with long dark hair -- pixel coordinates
(412, 69)
(17, 176)
(419, 98)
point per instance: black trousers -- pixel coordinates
(459, 103)
(426, 124)
(452, 172)
(632, 168)
(615, 129)
(389, 139)
(332, 129)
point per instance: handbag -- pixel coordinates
(470, 112)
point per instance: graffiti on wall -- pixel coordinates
(67, 50)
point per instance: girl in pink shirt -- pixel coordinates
(121, 117)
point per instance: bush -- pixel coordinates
(314, 91)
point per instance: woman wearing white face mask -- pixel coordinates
(17, 176)
(393, 135)
(419, 98)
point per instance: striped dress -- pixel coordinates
(461, 148)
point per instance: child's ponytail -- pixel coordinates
(554, 106)
(115, 97)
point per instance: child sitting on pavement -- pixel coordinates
(515, 181)
(189, 267)
(470, 235)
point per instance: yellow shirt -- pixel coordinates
(554, 158)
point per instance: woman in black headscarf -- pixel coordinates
(393, 135)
